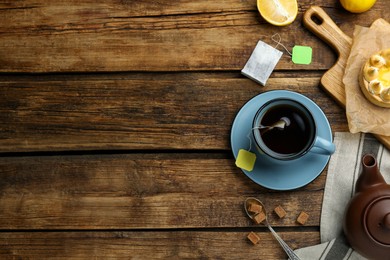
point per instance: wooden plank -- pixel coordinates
(81, 9)
(149, 245)
(143, 111)
(197, 45)
(82, 36)
(139, 192)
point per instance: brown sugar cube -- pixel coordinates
(253, 238)
(255, 208)
(258, 218)
(280, 212)
(302, 218)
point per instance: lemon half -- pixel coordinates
(278, 12)
(357, 6)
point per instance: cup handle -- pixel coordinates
(322, 146)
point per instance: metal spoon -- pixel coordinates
(286, 248)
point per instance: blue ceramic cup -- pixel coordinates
(284, 129)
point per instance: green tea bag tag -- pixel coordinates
(301, 54)
(245, 160)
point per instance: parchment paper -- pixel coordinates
(362, 115)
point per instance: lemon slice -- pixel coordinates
(278, 12)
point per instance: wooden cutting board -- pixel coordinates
(317, 21)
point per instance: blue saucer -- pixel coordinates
(290, 176)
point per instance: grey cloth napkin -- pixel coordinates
(343, 171)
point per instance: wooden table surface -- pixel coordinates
(115, 127)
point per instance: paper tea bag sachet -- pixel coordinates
(261, 63)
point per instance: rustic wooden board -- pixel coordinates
(142, 166)
(149, 245)
(328, 31)
(138, 192)
(140, 111)
(84, 36)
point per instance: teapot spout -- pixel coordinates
(370, 175)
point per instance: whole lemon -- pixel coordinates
(357, 6)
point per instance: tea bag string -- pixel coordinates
(249, 136)
(281, 124)
(250, 141)
(278, 42)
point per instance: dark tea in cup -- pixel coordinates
(285, 129)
